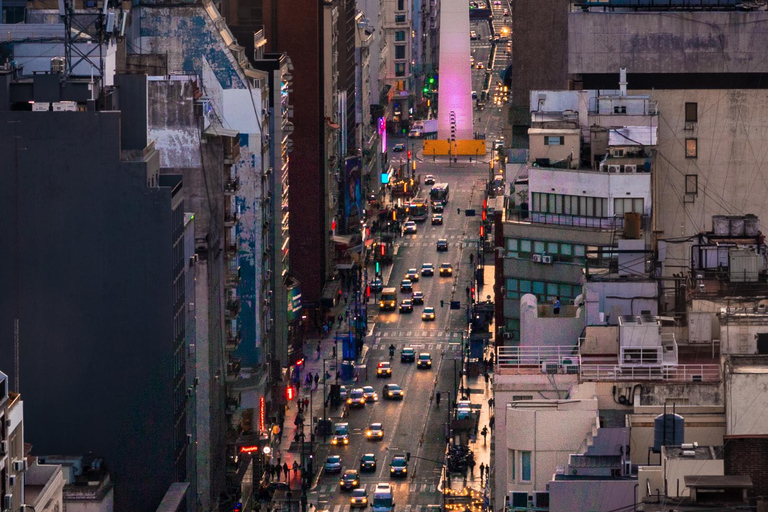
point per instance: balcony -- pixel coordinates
(231, 248)
(230, 219)
(233, 275)
(533, 360)
(578, 221)
(232, 307)
(679, 373)
(231, 185)
(233, 370)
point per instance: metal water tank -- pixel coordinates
(737, 225)
(57, 65)
(668, 429)
(632, 225)
(751, 225)
(720, 225)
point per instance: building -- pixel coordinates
(87, 483)
(396, 53)
(88, 193)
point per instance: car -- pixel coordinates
(418, 298)
(446, 270)
(383, 369)
(429, 180)
(496, 2)
(368, 462)
(427, 269)
(356, 398)
(428, 315)
(398, 148)
(343, 391)
(438, 206)
(437, 219)
(340, 434)
(480, 65)
(425, 360)
(506, 13)
(350, 479)
(333, 464)
(407, 355)
(370, 394)
(393, 392)
(473, 35)
(398, 466)
(358, 499)
(376, 285)
(442, 244)
(409, 228)
(406, 306)
(375, 432)
(412, 274)
(406, 286)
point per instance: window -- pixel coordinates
(400, 69)
(399, 18)
(512, 246)
(692, 184)
(691, 148)
(554, 141)
(552, 248)
(627, 204)
(512, 292)
(399, 51)
(538, 247)
(525, 466)
(400, 35)
(691, 112)
(525, 287)
(525, 247)
(400, 5)
(512, 464)
(399, 85)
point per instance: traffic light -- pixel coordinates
(383, 254)
(482, 231)
(472, 293)
(368, 291)
(426, 89)
(431, 79)
(377, 263)
(290, 393)
(409, 154)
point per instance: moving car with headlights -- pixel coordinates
(409, 228)
(398, 466)
(359, 499)
(333, 464)
(368, 462)
(350, 479)
(412, 274)
(406, 306)
(370, 394)
(340, 434)
(428, 314)
(393, 392)
(406, 286)
(442, 244)
(388, 300)
(427, 269)
(429, 179)
(407, 355)
(375, 432)
(425, 360)
(418, 298)
(356, 398)
(446, 270)
(438, 206)
(437, 219)
(383, 369)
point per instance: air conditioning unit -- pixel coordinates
(8, 502)
(614, 168)
(541, 499)
(507, 335)
(20, 465)
(546, 258)
(12, 480)
(3, 447)
(630, 168)
(536, 258)
(571, 369)
(518, 499)
(549, 368)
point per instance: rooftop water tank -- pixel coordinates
(720, 225)
(751, 225)
(668, 429)
(737, 225)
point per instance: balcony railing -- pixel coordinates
(679, 373)
(527, 360)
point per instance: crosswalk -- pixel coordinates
(401, 487)
(414, 336)
(451, 347)
(404, 508)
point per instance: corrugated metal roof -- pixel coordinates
(30, 31)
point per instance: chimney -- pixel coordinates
(623, 81)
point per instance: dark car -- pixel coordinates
(418, 298)
(437, 206)
(398, 466)
(350, 479)
(398, 148)
(442, 244)
(427, 269)
(406, 306)
(359, 499)
(437, 219)
(393, 392)
(406, 286)
(425, 360)
(446, 269)
(407, 355)
(412, 275)
(376, 285)
(383, 369)
(368, 462)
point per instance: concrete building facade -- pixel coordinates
(397, 41)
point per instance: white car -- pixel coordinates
(410, 228)
(398, 148)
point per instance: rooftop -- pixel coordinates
(694, 453)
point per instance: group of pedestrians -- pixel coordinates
(309, 378)
(279, 472)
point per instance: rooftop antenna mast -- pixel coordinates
(87, 32)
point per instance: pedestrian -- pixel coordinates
(341, 319)
(472, 467)
(487, 377)
(346, 297)
(484, 433)
(295, 469)
(286, 470)
(482, 471)
(557, 306)
(458, 211)
(437, 398)
(492, 421)
(317, 379)
(306, 402)
(280, 437)
(325, 332)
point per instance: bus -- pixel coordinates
(417, 210)
(388, 300)
(439, 192)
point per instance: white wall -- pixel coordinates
(553, 330)
(746, 389)
(619, 298)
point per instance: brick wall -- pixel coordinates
(748, 456)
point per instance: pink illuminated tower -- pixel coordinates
(455, 117)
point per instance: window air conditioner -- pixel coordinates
(3, 447)
(630, 168)
(12, 480)
(536, 258)
(549, 368)
(20, 465)
(541, 499)
(546, 258)
(614, 168)
(8, 502)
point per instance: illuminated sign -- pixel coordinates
(262, 415)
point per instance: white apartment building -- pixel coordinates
(397, 36)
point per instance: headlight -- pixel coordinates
(346, 441)
(365, 500)
(354, 482)
(349, 400)
(341, 482)
(391, 470)
(405, 470)
(368, 433)
(389, 393)
(335, 441)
